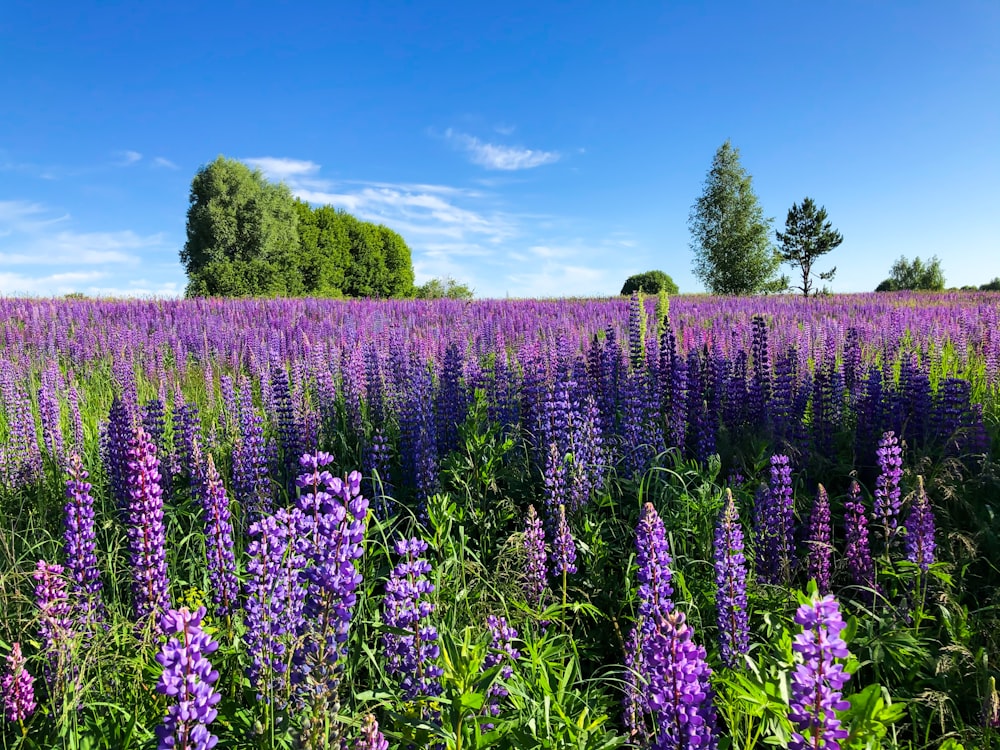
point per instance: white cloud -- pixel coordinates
(505, 129)
(495, 156)
(128, 158)
(165, 163)
(283, 170)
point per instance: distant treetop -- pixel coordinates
(650, 282)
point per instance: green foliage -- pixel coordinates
(242, 233)
(991, 286)
(249, 237)
(443, 288)
(807, 236)
(730, 235)
(914, 275)
(650, 282)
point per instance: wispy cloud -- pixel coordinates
(281, 169)
(496, 156)
(128, 158)
(164, 163)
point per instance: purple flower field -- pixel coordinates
(312, 523)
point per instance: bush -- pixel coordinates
(650, 282)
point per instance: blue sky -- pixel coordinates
(524, 148)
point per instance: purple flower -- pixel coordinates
(887, 492)
(920, 530)
(858, 552)
(370, 738)
(146, 534)
(534, 548)
(251, 481)
(275, 600)
(411, 657)
(114, 450)
(679, 694)
(731, 583)
(563, 548)
(502, 652)
(820, 553)
(18, 687)
(79, 543)
(218, 539)
(55, 625)
(775, 524)
(653, 557)
(187, 677)
(818, 677)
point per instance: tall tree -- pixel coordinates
(807, 236)
(730, 236)
(398, 265)
(324, 249)
(241, 234)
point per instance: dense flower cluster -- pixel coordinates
(502, 654)
(411, 657)
(146, 534)
(563, 547)
(679, 694)
(858, 552)
(536, 569)
(731, 584)
(218, 539)
(775, 524)
(187, 678)
(887, 490)
(17, 687)
(820, 542)
(55, 622)
(371, 738)
(920, 544)
(80, 544)
(818, 677)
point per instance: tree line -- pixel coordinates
(247, 236)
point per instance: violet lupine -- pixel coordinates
(563, 549)
(411, 658)
(920, 543)
(775, 524)
(55, 622)
(371, 738)
(377, 469)
(537, 561)
(820, 554)
(146, 534)
(334, 512)
(731, 585)
(679, 694)
(114, 450)
(502, 654)
(655, 592)
(219, 547)
(887, 491)
(818, 677)
(79, 542)
(251, 481)
(858, 550)
(18, 687)
(187, 677)
(275, 601)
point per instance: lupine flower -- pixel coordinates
(820, 553)
(858, 552)
(218, 539)
(502, 653)
(371, 738)
(563, 547)
(775, 524)
(55, 625)
(17, 687)
(334, 512)
(79, 543)
(251, 482)
(731, 584)
(146, 535)
(411, 658)
(679, 694)
(887, 491)
(920, 530)
(275, 600)
(114, 450)
(818, 677)
(537, 561)
(188, 677)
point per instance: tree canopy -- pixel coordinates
(807, 236)
(650, 282)
(444, 288)
(730, 236)
(914, 275)
(249, 237)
